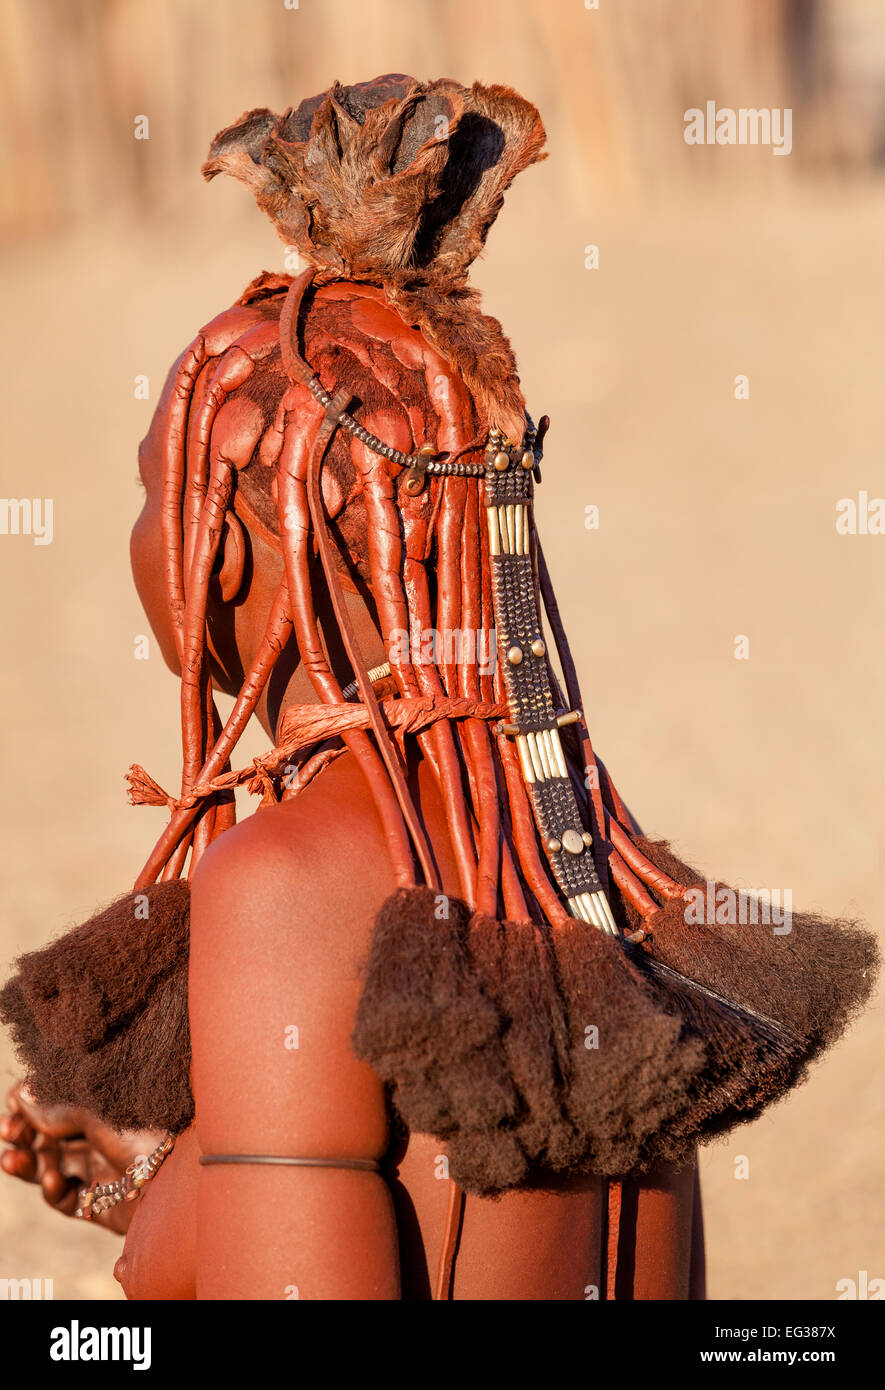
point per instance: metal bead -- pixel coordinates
(427, 451)
(502, 461)
(528, 459)
(514, 656)
(538, 647)
(573, 842)
(587, 838)
(554, 845)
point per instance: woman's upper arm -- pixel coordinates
(274, 986)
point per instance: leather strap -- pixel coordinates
(383, 740)
(451, 1237)
(614, 1192)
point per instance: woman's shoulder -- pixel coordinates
(321, 849)
(292, 892)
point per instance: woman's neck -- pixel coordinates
(298, 688)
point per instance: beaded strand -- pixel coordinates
(99, 1197)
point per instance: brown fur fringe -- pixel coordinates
(579, 1059)
(524, 1049)
(99, 1017)
(595, 1057)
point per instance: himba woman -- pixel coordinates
(437, 1021)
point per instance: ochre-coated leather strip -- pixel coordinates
(294, 511)
(612, 1236)
(383, 740)
(651, 875)
(451, 1236)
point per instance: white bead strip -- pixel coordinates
(509, 529)
(594, 908)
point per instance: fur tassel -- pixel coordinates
(765, 1004)
(480, 1030)
(425, 1024)
(593, 1056)
(812, 979)
(517, 967)
(634, 1066)
(749, 1061)
(99, 1017)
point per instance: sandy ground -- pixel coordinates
(717, 519)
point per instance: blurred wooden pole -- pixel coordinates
(612, 83)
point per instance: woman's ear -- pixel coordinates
(230, 561)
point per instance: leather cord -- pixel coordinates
(613, 1192)
(451, 1237)
(369, 699)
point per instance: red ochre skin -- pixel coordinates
(283, 905)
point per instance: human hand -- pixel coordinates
(63, 1148)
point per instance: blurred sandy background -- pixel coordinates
(717, 515)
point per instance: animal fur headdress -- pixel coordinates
(396, 182)
(391, 180)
